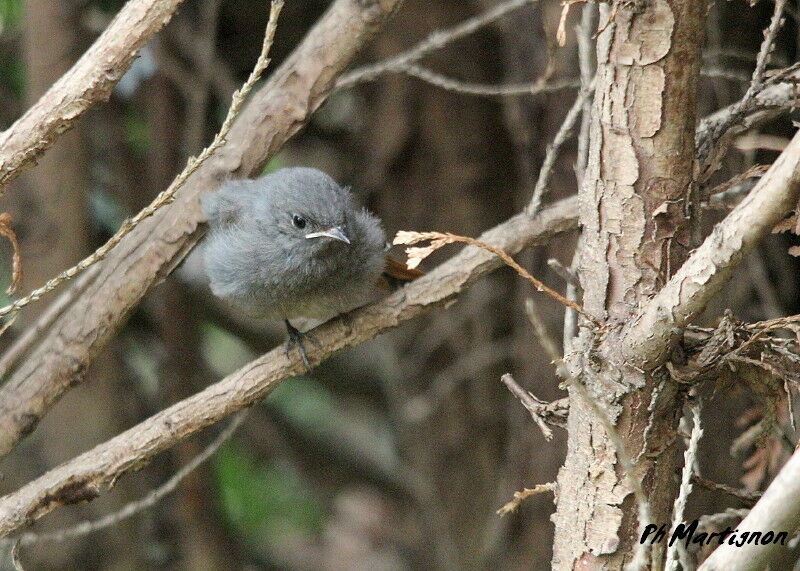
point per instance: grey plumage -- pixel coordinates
(258, 256)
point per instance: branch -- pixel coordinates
(689, 462)
(90, 81)
(651, 334)
(468, 88)
(134, 507)
(436, 41)
(520, 497)
(777, 510)
(85, 477)
(533, 405)
(764, 104)
(274, 113)
(542, 182)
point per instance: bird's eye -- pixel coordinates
(298, 221)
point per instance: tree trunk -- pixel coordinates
(634, 202)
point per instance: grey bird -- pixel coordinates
(292, 244)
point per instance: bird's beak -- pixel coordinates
(336, 233)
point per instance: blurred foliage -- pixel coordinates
(12, 73)
(10, 14)
(137, 130)
(107, 210)
(224, 352)
(12, 70)
(306, 403)
(265, 504)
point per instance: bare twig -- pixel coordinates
(587, 69)
(528, 401)
(16, 261)
(133, 508)
(523, 495)
(166, 196)
(689, 460)
(15, 560)
(745, 496)
(468, 88)
(435, 41)
(89, 82)
(767, 47)
(546, 340)
(439, 239)
(709, 154)
(553, 149)
(565, 273)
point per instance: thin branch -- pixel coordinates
(166, 196)
(439, 239)
(434, 42)
(710, 153)
(587, 68)
(90, 81)
(767, 47)
(133, 508)
(565, 273)
(468, 88)
(553, 149)
(543, 335)
(689, 460)
(529, 402)
(745, 496)
(523, 495)
(86, 476)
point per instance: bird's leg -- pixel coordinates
(296, 338)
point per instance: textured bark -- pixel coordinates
(89, 82)
(633, 203)
(279, 109)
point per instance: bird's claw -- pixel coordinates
(296, 339)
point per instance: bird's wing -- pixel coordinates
(395, 274)
(226, 205)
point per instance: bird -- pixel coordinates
(293, 244)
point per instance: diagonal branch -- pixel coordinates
(777, 510)
(276, 112)
(89, 82)
(86, 476)
(651, 334)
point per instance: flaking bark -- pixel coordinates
(636, 234)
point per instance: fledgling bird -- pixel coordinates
(292, 244)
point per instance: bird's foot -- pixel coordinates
(296, 339)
